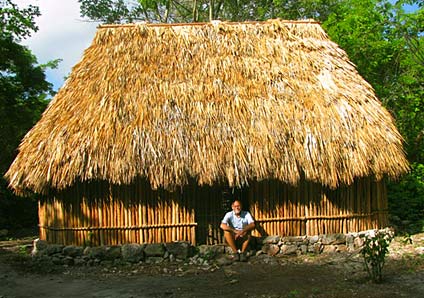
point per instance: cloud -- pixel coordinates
(62, 34)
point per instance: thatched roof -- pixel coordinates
(215, 102)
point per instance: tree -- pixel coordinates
(23, 97)
(170, 11)
(386, 44)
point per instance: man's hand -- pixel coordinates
(242, 233)
(239, 234)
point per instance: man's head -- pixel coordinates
(236, 206)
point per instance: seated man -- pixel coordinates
(237, 225)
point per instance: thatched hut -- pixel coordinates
(158, 124)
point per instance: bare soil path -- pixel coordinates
(332, 275)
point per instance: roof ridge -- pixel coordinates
(213, 22)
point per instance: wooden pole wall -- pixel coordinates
(103, 214)
(311, 209)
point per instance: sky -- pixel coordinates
(62, 34)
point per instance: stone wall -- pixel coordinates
(200, 255)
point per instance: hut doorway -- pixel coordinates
(211, 205)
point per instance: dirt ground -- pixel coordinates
(326, 275)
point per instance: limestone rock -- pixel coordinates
(154, 250)
(112, 252)
(329, 249)
(317, 248)
(211, 251)
(73, 251)
(95, 252)
(341, 248)
(54, 249)
(294, 239)
(223, 260)
(270, 249)
(313, 239)
(180, 250)
(39, 246)
(358, 242)
(154, 260)
(333, 239)
(288, 249)
(132, 253)
(269, 240)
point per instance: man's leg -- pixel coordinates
(245, 243)
(229, 238)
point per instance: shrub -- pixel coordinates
(376, 246)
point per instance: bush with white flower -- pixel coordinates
(374, 250)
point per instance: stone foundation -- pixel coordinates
(200, 255)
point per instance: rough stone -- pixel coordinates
(350, 242)
(223, 260)
(317, 248)
(132, 253)
(313, 239)
(78, 261)
(73, 251)
(266, 259)
(106, 262)
(304, 249)
(154, 250)
(57, 260)
(270, 249)
(112, 252)
(39, 246)
(420, 250)
(269, 240)
(341, 248)
(54, 249)
(180, 250)
(154, 260)
(358, 242)
(288, 249)
(333, 239)
(97, 252)
(259, 252)
(211, 251)
(183, 251)
(294, 239)
(329, 249)
(349, 239)
(69, 261)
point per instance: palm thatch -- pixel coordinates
(215, 102)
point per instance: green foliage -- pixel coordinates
(374, 251)
(386, 44)
(293, 294)
(107, 11)
(172, 11)
(15, 22)
(24, 94)
(406, 201)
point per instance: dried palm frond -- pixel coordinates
(213, 101)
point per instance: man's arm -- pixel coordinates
(247, 229)
(226, 227)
